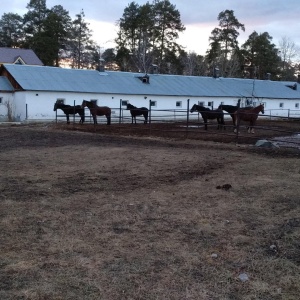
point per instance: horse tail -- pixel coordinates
(146, 115)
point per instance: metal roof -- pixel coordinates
(10, 55)
(5, 85)
(40, 78)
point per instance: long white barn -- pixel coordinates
(29, 92)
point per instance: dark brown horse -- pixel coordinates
(231, 109)
(208, 114)
(134, 111)
(97, 110)
(249, 115)
(70, 110)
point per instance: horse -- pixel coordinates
(249, 115)
(97, 110)
(208, 114)
(70, 110)
(231, 109)
(134, 111)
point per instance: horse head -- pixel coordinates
(262, 109)
(194, 108)
(83, 104)
(55, 106)
(130, 106)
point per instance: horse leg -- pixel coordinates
(222, 123)
(68, 119)
(236, 124)
(205, 123)
(234, 121)
(108, 119)
(219, 123)
(252, 127)
(95, 119)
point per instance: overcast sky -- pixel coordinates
(280, 18)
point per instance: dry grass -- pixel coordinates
(87, 216)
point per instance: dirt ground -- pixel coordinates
(117, 213)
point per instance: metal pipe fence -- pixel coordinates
(185, 124)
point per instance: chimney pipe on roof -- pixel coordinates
(216, 72)
(154, 69)
(101, 65)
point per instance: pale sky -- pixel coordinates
(280, 18)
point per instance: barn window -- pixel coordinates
(60, 101)
(1, 99)
(202, 103)
(153, 103)
(124, 102)
(178, 103)
(209, 103)
(281, 105)
(296, 105)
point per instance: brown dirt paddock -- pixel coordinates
(113, 212)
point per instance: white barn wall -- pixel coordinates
(289, 109)
(6, 100)
(40, 104)
(20, 106)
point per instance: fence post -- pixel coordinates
(26, 111)
(237, 128)
(288, 114)
(150, 117)
(74, 112)
(187, 118)
(56, 116)
(120, 112)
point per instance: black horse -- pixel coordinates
(134, 111)
(70, 110)
(208, 114)
(231, 109)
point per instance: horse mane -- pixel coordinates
(130, 106)
(202, 108)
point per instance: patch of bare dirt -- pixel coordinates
(113, 212)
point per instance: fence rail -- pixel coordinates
(187, 124)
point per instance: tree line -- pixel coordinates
(147, 42)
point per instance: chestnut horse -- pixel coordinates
(208, 114)
(249, 115)
(134, 111)
(97, 110)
